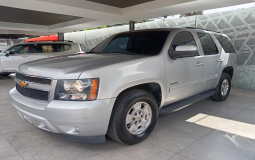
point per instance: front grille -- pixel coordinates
(33, 79)
(33, 93)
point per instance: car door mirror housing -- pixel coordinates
(183, 51)
(7, 54)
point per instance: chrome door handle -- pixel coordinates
(220, 60)
(199, 64)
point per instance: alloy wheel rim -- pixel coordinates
(138, 118)
(224, 87)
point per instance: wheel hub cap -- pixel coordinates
(224, 87)
(138, 118)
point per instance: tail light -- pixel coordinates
(81, 53)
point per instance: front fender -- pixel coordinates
(139, 82)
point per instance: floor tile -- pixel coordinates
(205, 149)
(232, 139)
(6, 150)
(26, 141)
(15, 157)
(179, 157)
(171, 139)
(141, 151)
(247, 114)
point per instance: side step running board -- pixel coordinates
(185, 102)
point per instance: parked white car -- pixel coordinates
(12, 57)
(121, 86)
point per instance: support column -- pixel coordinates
(60, 36)
(131, 25)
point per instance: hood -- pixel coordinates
(71, 66)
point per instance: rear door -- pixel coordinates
(40, 51)
(212, 60)
(185, 76)
(18, 54)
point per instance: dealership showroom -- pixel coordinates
(127, 80)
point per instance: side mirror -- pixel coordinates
(7, 54)
(183, 51)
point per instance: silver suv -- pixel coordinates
(121, 86)
(12, 57)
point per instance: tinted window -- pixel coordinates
(142, 42)
(225, 43)
(208, 45)
(182, 38)
(48, 48)
(19, 49)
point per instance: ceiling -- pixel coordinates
(121, 3)
(44, 17)
(16, 15)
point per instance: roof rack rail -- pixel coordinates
(202, 29)
(51, 41)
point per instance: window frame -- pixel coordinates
(32, 50)
(214, 40)
(195, 39)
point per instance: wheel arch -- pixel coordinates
(229, 70)
(154, 88)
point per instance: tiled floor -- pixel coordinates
(206, 130)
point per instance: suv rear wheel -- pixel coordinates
(134, 117)
(223, 88)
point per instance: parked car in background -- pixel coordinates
(121, 86)
(12, 57)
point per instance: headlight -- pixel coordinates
(77, 90)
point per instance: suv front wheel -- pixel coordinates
(223, 88)
(134, 117)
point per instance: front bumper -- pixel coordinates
(75, 118)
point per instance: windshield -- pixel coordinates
(142, 42)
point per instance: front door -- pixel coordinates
(185, 76)
(17, 55)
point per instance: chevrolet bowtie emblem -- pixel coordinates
(23, 84)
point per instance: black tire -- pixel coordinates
(218, 96)
(117, 129)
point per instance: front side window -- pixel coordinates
(19, 49)
(225, 43)
(142, 43)
(208, 45)
(182, 38)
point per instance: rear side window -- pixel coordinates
(208, 45)
(49, 48)
(225, 43)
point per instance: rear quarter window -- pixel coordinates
(225, 43)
